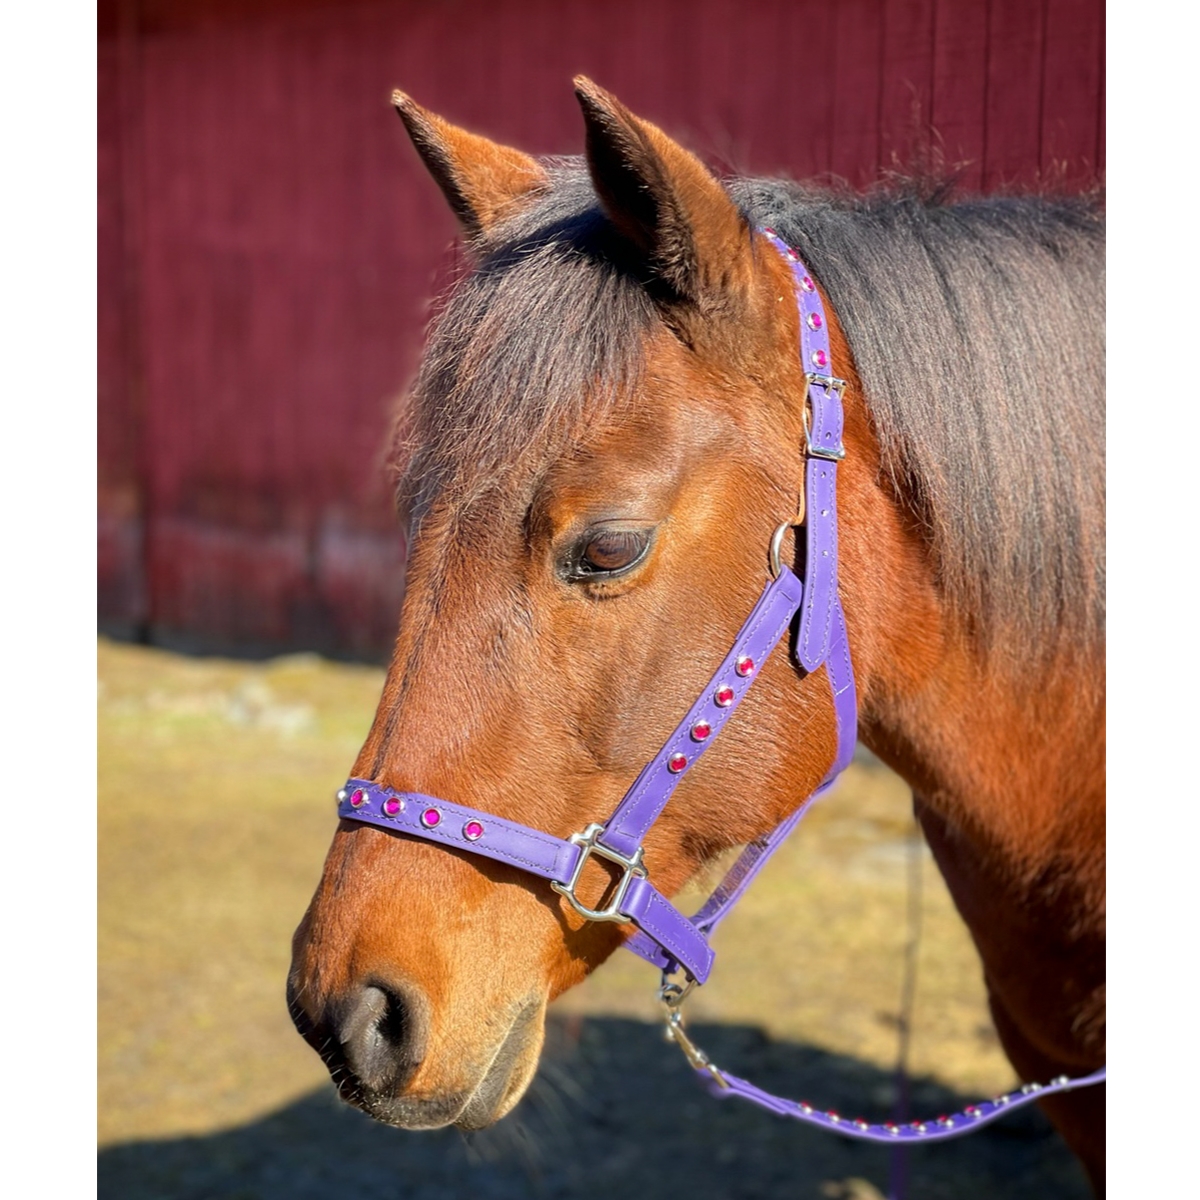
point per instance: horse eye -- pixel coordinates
(612, 551)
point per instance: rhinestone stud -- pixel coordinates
(393, 806)
(892, 1128)
(833, 1116)
(861, 1124)
(431, 818)
(807, 284)
(820, 358)
(676, 763)
(744, 665)
(814, 321)
(701, 731)
(723, 696)
(341, 796)
(472, 831)
(358, 799)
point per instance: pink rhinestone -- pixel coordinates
(820, 358)
(431, 818)
(793, 256)
(676, 763)
(723, 696)
(392, 806)
(768, 231)
(814, 321)
(744, 665)
(472, 831)
(358, 799)
(807, 284)
(701, 731)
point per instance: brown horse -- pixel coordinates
(605, 430)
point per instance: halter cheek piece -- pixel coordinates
(664, 936)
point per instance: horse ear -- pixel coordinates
(483, 181)
(664, 200)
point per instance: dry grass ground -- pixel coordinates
(216, 807)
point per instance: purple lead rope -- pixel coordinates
(663, 935)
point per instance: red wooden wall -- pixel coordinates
(268, 243)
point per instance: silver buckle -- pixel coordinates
(828, 382)
(588, 842)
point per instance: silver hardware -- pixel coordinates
(341, 796)
(776, 546)
(588, 842)
(672, 996)
(828, 382)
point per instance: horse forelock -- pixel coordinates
(977, 329)
(539, 342)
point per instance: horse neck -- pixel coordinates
(1005, 750)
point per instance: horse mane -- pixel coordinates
(977, 329)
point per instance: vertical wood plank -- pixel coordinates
(1070, 113)
(1013, 119)
(907, 83)
(858, 90)
(958, 109)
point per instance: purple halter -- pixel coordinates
(664, 936)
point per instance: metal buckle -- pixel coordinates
(588, 841)
(828, 382)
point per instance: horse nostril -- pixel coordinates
(381, 1038)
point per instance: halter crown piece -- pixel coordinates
(664, 936)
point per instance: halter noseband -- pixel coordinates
(664, 936)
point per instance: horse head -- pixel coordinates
(603, 435)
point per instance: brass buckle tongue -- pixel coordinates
(589, 843)
(672, 995)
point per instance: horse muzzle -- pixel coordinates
(376, 1042)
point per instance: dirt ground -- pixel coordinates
(216, 808)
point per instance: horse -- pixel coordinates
(607, 424)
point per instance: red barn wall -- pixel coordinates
(269, 244)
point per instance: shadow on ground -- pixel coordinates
(613, 1113)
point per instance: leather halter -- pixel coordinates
(664, 936)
